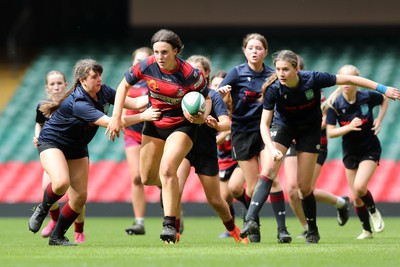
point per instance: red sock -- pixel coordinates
(79, 227)
(54, 214)
(177, 225)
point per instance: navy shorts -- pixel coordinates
(204, 164)
(150, 129)
(307, 138)
(246, 145)
(75, 153)
(322, 154)
(352, 160)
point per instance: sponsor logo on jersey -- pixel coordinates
(364, 109)
(166, 79)
(180, 92)
(166, 99)
(106, 108)
(153, 85)
(309, 94)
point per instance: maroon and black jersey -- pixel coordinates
(167, 88)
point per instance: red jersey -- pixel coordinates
(167, 88)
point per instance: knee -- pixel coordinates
(79, 200)
(304, 191)
(215, 202)
(360, 191)
(235, 191)
(136, 180)
(147, 180)
(293, 193)
(60, 185)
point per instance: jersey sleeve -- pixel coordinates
(331, 117)
(218, 104)
(197, 82)
(135, 73)
(230, 78)
(324, 79)
(270, 97)
(40, 118)
(376, 99)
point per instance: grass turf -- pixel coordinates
(108, 245)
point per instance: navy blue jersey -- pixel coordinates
(71, 126)
(365, 139)
(246, 92)
(206, 142)
(301, 106)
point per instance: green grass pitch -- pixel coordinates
(108, 245)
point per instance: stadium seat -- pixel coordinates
(109, 180)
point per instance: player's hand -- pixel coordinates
(113, 128)
(392, 93)
(196, 119)
(224, 90)
(355, 124)
(35, 141)
(151, 114)
(376, 126)
(212, 122)
(277, 155)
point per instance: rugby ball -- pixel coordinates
(193, 103)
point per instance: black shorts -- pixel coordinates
(225, 175)
(307, 138)
(150, 129)
(68, 152)
(246, 145)
(322, 154)
(352, 160)
(204, 164)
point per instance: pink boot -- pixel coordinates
(46, 232)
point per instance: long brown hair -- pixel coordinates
(82, 69)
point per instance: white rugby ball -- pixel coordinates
(193, 103)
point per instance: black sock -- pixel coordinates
(363, 215)
(242, 198)
(278, 206)
(260, 195)
(232, 210)
(309, 205)
(66, 219)
(49, 198)
(161, 202)
(169, 220)
(369, 202)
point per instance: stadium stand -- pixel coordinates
(21, 171)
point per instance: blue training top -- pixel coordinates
(71, 126)
(298, 107)
(356, 141)
(206, 142)
(246, 92)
